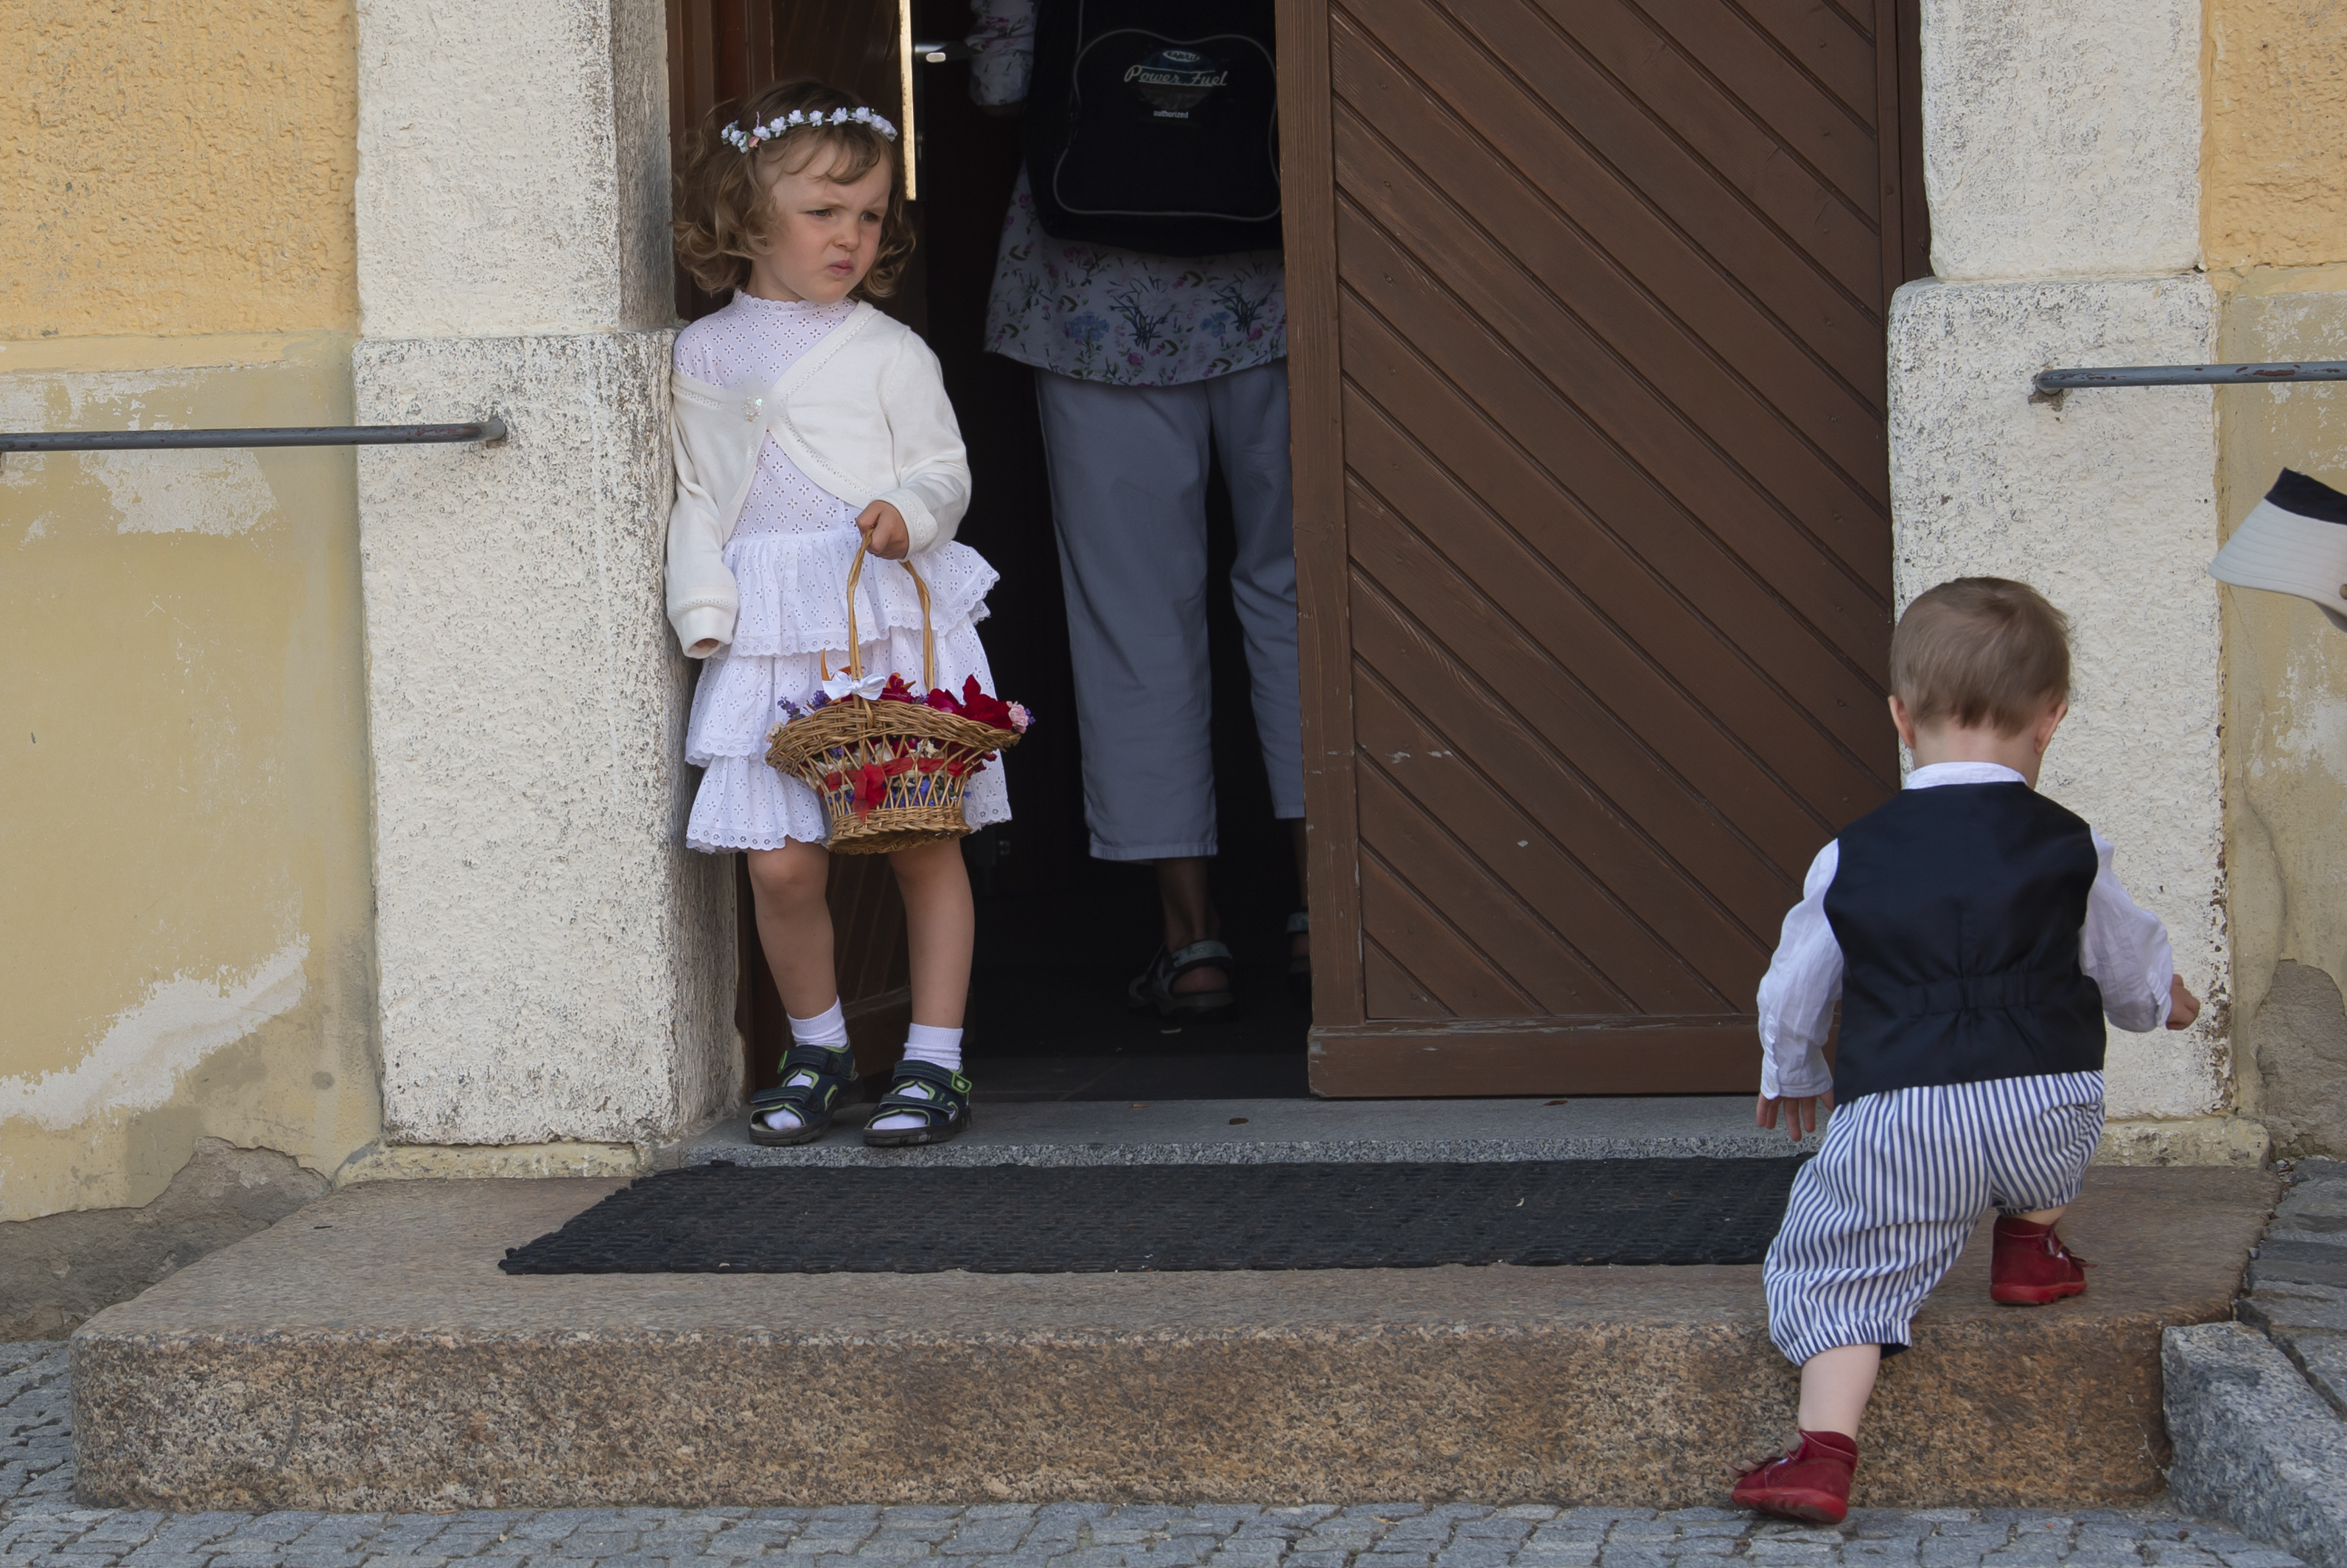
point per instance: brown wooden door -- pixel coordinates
(1593, 515)
(720, 51)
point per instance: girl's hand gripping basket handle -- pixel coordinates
(854, 643)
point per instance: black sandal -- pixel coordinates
(944, 1111)
(1154, 988)
(812, 1080)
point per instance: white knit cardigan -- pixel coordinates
(864, 414)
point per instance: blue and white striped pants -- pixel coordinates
(1900, 1182)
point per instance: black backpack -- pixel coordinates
(1154, 124)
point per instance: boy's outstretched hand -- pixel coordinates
(2183, 1007)
(1801, 1112)
(884, 531)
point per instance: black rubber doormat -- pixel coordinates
(1101, 1219)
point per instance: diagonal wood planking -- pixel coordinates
(1616, 519)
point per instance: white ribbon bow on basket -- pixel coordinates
(842, 686)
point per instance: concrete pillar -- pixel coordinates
(2062, 141)
(555, 968)
(2062, 150)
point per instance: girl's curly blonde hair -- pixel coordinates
(725, 197)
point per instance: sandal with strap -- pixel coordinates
(944, 1107)
(812, 1080)
(1153, 989)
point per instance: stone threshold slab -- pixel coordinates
(366, 1354)
(1285, 1132)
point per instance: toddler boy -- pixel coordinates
(1976, 938)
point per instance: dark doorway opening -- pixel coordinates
(1059, 934)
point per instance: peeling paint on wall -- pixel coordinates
(57, 1271)
(2286, 729)
(185, 923)
(2275, 237)
(140, 1061)
(184, 492)
(2301, 725)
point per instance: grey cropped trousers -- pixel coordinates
(1129, 497)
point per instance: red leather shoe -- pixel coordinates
(2031, 1266)
(1811, 1484)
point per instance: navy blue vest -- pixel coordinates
(1958, 909)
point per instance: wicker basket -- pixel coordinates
(891, 774)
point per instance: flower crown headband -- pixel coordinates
(748, 140)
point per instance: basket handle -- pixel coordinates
(855, 644)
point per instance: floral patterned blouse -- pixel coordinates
(1099, 314)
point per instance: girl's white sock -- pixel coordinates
(937, 1047)
(827, 1030)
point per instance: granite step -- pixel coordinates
(2297, 1282)
(366, 1354)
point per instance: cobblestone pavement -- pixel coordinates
(41, 1526)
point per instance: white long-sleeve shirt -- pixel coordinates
(2123, 949)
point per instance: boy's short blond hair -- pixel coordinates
(1980, 650)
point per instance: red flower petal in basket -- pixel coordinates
(943, 701)
(872, 784)
(871, 789)
(832, 780)
(897, 692)
(986, 710)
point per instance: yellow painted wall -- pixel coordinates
(2286, 730)
(186, 944)
(178, 167)
(2274, 156)
(184, 935)
(2274, 226)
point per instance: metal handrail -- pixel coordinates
(492, 428)
(2056, 382)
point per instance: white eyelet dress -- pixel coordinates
(790, 555)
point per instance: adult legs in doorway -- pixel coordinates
(1128, 469)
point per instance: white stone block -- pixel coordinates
(2062, 140)
(513, 167)
(554, 964)
(2106, 503)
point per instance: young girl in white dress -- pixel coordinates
(807, 423)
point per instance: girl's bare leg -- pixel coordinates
(1835, 1387)
(941, 924)
(786, 885)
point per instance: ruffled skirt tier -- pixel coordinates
(792, 627)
